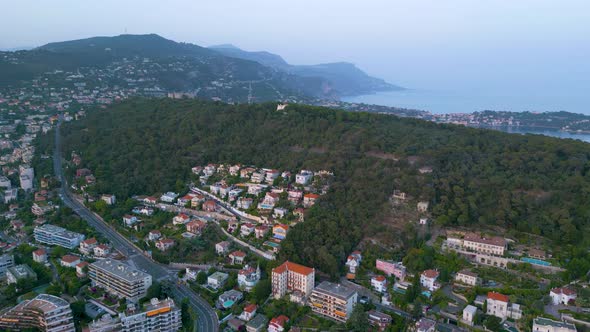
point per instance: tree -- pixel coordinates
(359, 319)
(201, 277)
(262, 291)
(493, 323)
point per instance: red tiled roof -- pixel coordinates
(430, 274)
(238, 253)
(563, 290)
(496, 241)
(498, 297)
(379, 278)
(69, 258)
(250, 307)
(290, 266)
(90, 241)
(82, 264)
(39, 252)
(313, 196)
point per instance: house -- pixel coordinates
(425, 325)
(499, 305)
(150, 200)
(256, 189)
(249, 312)
(425, 170)
(81, 269)
(169, 197)
(184, 200)
(422, 206)
(82, 172)
(40, 256)
(228, 299)
(197, 170)
(280, 231)
(279, 213)
(257, 177)
(542, 324)
(303, 177)
(537, 253)
(272, 175)
(245, 172)
(269, 201)
(197, 200)
(69, 261)
(234, 193)
(391, 268)
(210, 169)
(180, 219)
(210, 206)
(278, 324)
(221, 248)
(294, 196)
(144, 210)
(235, 324)
(234, 169)
(309, 200)
(129, 220)
(353, 261)
(19, 272)
(244, 203)
(562, 295)
(102, 250)
(247, 229)
(299, 213)
(109, 199)
(248, 277)
(428, 280)
(260, 231)
(467, 277)
(232, 226)
(217, 280)
(237, 257)
(196, 227)
(87, 246)
(257, 324)
(469, 315)
(164, 244)
(154, 235)
(379, 283)
(398, 194)
(423, 221)
(379, 320)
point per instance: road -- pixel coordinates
(206, 317)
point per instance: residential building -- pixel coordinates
(16, 273)
(278, 324)
(279, 213)
(280, 231)
(154, 235)
(44, 312)
(467, 277)
(249, 312)
(158, 315)
(260, 231)
(379, 320)
(169, 197)
(541, 324)
(353, 261)
(87, 246)
(237, 257)
(246, 229)
(26, 182)
(499, 305)
(5, 182)
(248, 277)
(129, 220)
(256, 324)
(217, 279)
(269, 201)
(379, 283)
(294, 278)
(102, 250)
(309, 200)
(469, 315)
(81, 269)
(54, 235)
(422, 207)
(333, 301)
(69, 261)
(164, 244)
(180, 219)
(562, 295)
(244, 203)
(425, 325)
(210, 206)
(40, 256)
(196, 227)
(272, 175)
(229, 298)
(10, 195)
(390, 268)
(257, 177)
(41, 208)
(6, 262)
(120, 279)
(222, 248)
(109, 199)
(491, 246)
(303, 177)
(428, 280)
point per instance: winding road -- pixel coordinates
(206, 317)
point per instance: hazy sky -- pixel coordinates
(528, 45)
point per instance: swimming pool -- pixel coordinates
(228, 304)
(535, 261)
(427, 294)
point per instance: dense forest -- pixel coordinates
(527, 183)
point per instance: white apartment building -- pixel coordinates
(45, 312)
(54, 235)
(333, 301)
(120, 279)
(294, 278)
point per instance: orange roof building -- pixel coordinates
(290, 277)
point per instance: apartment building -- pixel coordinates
(162, 316)
(45, 312)
(6, 262)
(292, 278)
(467, 277)
(333, 301)
(120, 279)
(541, 324)
(491, 246)
(499, 305)
(54, 235)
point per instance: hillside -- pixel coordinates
(343, 77)
(532, 184)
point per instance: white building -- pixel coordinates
(45, 312)
(467, 277)
(109, 199)
(469, 314)
(120, 279)
(541, 324)
(10, 195)
(428, 280)
(248, 277)
(379, 283)
(26, 182)
(169, 197)
(303, 177)
(54, 235)
(334, 301)
(499, 305)
(217, 280)
(562, 295)
(161, 316)
(6, 262)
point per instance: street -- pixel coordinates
(206, 317)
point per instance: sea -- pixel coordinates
(441, 102)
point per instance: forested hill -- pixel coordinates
(529, 183)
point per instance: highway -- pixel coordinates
(206, 317)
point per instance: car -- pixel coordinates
(364, 300)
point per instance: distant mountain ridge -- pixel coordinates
(344, 77)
